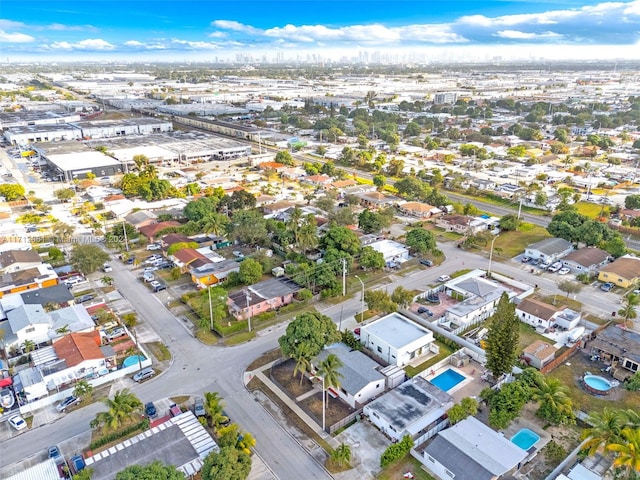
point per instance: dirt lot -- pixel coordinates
(336, 408)
(283, 374)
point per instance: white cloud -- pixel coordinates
(90, 44)
(144, 46)
(59, 27)
(196, 45)
(234, 26)
(10, 25)
(218, 34)
(15, 37)
(517, 35)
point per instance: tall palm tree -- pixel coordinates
(628, 310)
(215, 223)
(307, 235)
(555, 404)
(106, 280)
(605, 429)
(214, 408)
(627, 450)
(302, 356)
(82, 389)
(329, 371)
(28, 346)
(120, 409)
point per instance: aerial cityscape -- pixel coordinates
(275, 240)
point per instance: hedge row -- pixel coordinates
(142, 426)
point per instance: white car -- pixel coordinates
(444, 278)
(18, 422)
(153, 246)
(564, 271)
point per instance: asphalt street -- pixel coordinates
(197, 368)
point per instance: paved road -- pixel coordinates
(197, 368)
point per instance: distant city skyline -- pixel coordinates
(318, 31)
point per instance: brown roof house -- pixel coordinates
(538, 354)
(186, 258)
(151, 231)
(419, 209)
(376, 199)
(14, 260)
(586, 260)
(624, 272)
(544, 316)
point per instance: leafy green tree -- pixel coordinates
(632, 202)
(342, 239)
(412, 188)
(249, 227)
(201, 208)
(396, 451)
(371, 259)
(502, 339)
(284, 157)
(229, 464)
(88, 258)
(570, 287)
(402, 297)
(379, 181)
(314, 329)
(379, 301)
(64, 194)
(250, 271)
(181, 246)
(509, 222)
(54, 254)
(628, 310)
(12, 191)
(627, 451)
(420, 240)
(412, 130)
(369, 221)
(555, 403)
(85, 474)
(120, 409)
(505, 404)
(152, 471)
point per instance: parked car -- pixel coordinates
(77, 464)
(426, 263)
(238, 254)
(226, 419)
(163, 265)
(148, 277)
(536, 261)
(73, 281)
(444, 278)
(54, 452)
(422, 310)
(117, 333)
(85, 298)
(150, 410)
(545, 265)
(144, 374)
(606, 287)
(525, 259)
(158, 286)
(174, 410)
(198, 408)
(555, 267)
(17, 422)
(153, 247)
(67, 402)
(106, 268)
(564, 271)
(130, 260)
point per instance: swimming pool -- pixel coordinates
(447, 379)
(525, 439)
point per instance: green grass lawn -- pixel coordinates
(408, 464)
(510, 244)
(528, 335)
(561, 299)
(159, 350)
(591, 210)
(445, 351)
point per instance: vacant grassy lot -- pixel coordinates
(591, 210)
(159, 350)
(510, 244)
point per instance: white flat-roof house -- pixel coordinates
(396, 339)
(415, 408)
(360, 379)
(470, 450)
(392, 251)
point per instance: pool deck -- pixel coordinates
(471, 386)
(520, 423)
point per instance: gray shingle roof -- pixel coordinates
(551, 246)
(357, 369)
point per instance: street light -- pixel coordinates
(248, 309)
(361, 299)
(491, 255)
(323, 405)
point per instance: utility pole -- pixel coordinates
(210, 308)
(124, 230)
(248, 308)
(344, 276)
(491, 255)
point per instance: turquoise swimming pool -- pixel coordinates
(447, 379)
(525, 439)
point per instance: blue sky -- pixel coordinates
(202, 29)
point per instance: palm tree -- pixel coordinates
(329, 371)
(82, 389)
(215, 223)
(627, 450)
(307, 234)
(63, 330)
(302, 356)
(28, 346)
(555, 404)
(341, 455)
(107, 280)
(119, 410)
(214, 406)
(628, 311)
(605, 429)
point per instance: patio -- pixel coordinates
(471, 386)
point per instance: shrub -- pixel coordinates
(554, 452)
(396, 451)
(633, 383)
(112, 437)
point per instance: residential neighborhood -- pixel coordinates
(408, 280)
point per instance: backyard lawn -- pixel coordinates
(528, 335)
(445, 351)
(408, 464)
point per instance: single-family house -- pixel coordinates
(392, 251)
(586, 260)
(141, 218)
(623, 272)
(538, 354)
(58, 295)
(14, 260)
(396, 339)
(213, 273)
(40, 276)
(419, 209)
(376, 199)
(455, 223)
(278, 207)
(317, 180)
(482, 184)
(415, 408)
(620, 348)
(508, 190)
(360, 379)
(278, 167)
(341, 185)
(543, 316)
(187, 258)
(151, 231)
(470, 450)
(549, 249)
(261, 297)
